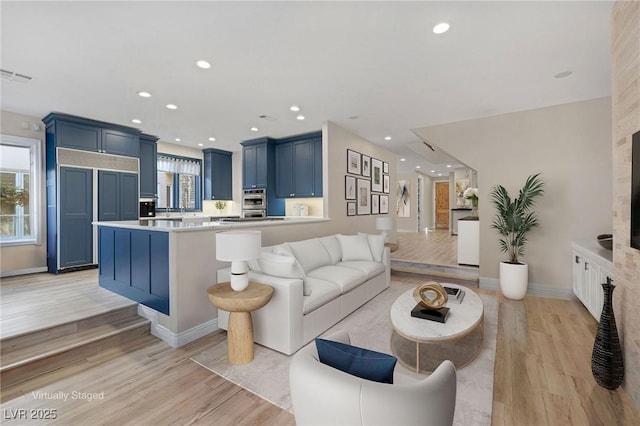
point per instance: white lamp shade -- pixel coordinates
(385, 223)
(238, 245)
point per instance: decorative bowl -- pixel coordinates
(606, 241)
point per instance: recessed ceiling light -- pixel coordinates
(417, 167)
(172, 106)
(433, 171)
(294, 108)
(439, 174)
(144, 94)
(403, 159)
(254, 129)
(300, 117)
(136, 120)
(441, 28)
(177, 139)
(212, 139)
(448, 165)
(387, 138)
(563, 74)
(203, 64)
(200, 144)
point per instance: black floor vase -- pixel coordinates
(607, 364)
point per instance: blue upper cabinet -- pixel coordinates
(299, 166)
(148, 166)
(218, 176)
(90, 135)
(257, 163)
(120, 143)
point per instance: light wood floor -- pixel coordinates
(437, 247)
(542, 377)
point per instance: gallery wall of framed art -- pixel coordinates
(366, 184)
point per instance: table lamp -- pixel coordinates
(384, 224)
(237, 247)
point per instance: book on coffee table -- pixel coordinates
(455, 295)
(439, 315)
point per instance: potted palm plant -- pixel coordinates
(513, 220)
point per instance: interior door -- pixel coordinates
(442, 205)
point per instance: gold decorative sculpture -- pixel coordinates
(431, 295)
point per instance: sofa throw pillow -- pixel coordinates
(359, 362)
(333, 248)
(376, 244)
(284, 250)
(280, 266)
(354, 247)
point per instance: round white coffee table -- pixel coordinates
(421, 344)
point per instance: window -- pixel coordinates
(179, 183)
(20, 191)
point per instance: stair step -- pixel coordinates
(43, 334)
(65, 347)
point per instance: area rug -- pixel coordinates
(369, 327)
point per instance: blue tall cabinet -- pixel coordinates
(259, 171)
(148, 166)
(78, 152)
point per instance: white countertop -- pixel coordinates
(163, 225)
(591, 245)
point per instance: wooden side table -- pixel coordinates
(392, 246)
(239, 304)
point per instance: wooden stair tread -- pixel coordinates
(41, 350)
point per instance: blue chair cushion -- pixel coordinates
(360, 362)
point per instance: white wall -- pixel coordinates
(26, 258)
(571, 146)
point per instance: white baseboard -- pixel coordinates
(533, 289)
(27, 271)
(176, 340)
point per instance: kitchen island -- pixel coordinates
(167, 265)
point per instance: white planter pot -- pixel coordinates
(514, 279)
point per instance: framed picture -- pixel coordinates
(403, 198)
(384, 204)
(385, 184)
(376, 178)
(366, 165)
(351, 209)
(375, 204)
(349, 187)
(353, 162)
(385, 167)
(364, 197)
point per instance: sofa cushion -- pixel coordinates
(372, 269)
(354, 247)
(333, 248)
(376, 245)
(310, 253)
(359, 362)
(284, 250)
(280, 266)
(346, 278)
(322, 292)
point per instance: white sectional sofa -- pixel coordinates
(317, 282)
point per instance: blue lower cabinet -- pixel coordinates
(135, 264)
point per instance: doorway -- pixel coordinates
(442, 205)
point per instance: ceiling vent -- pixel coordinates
(266, 117)
(14, 76)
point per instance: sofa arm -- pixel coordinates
(278, 325)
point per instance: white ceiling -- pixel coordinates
(377, 61)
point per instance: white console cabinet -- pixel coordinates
(592, 265)
(469, 241)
